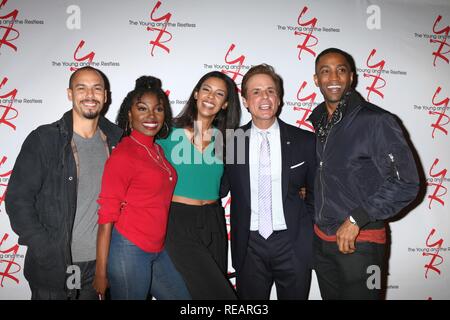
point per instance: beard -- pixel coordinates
(91, 114)
(333, 98)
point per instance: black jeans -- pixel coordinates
(86, 291)
(355, 276)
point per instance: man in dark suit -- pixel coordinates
(267, 163)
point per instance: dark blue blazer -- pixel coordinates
(298, 169)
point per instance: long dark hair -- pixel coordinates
(225, 119)
(145, 84)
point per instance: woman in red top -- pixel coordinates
(137, 187)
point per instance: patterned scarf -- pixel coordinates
(324, 126)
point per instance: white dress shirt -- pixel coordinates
(273, 136)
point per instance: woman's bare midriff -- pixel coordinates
(192, 202)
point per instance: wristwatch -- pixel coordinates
(353, 221)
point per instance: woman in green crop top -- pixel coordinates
(196, 237)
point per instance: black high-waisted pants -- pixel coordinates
(198, 246)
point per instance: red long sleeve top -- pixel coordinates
(136, 192)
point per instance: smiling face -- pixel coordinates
(147, 114)
(211, 98)
(333, 77)
(87, 93)
(262, 100)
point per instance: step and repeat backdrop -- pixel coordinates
(401, 49)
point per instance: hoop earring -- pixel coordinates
(128, 127)
(166, 128)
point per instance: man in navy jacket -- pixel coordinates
(366, 174)
(266, 182)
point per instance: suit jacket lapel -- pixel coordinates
(285, 158)
(245, 168)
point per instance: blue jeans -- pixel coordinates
(134, 273)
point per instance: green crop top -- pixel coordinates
(199, 174)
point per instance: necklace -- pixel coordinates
(159, 160)
(203, 137)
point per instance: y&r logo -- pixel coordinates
(307, 26)
(239, 61)
(86, 60)
(163, 21)
(442, 43)
(376, 77)
(437, 177)
(441, 114)
(3, 179)
(432, 265)
(9, 97)
(306, 108)
(6, 40)
(7, 257)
